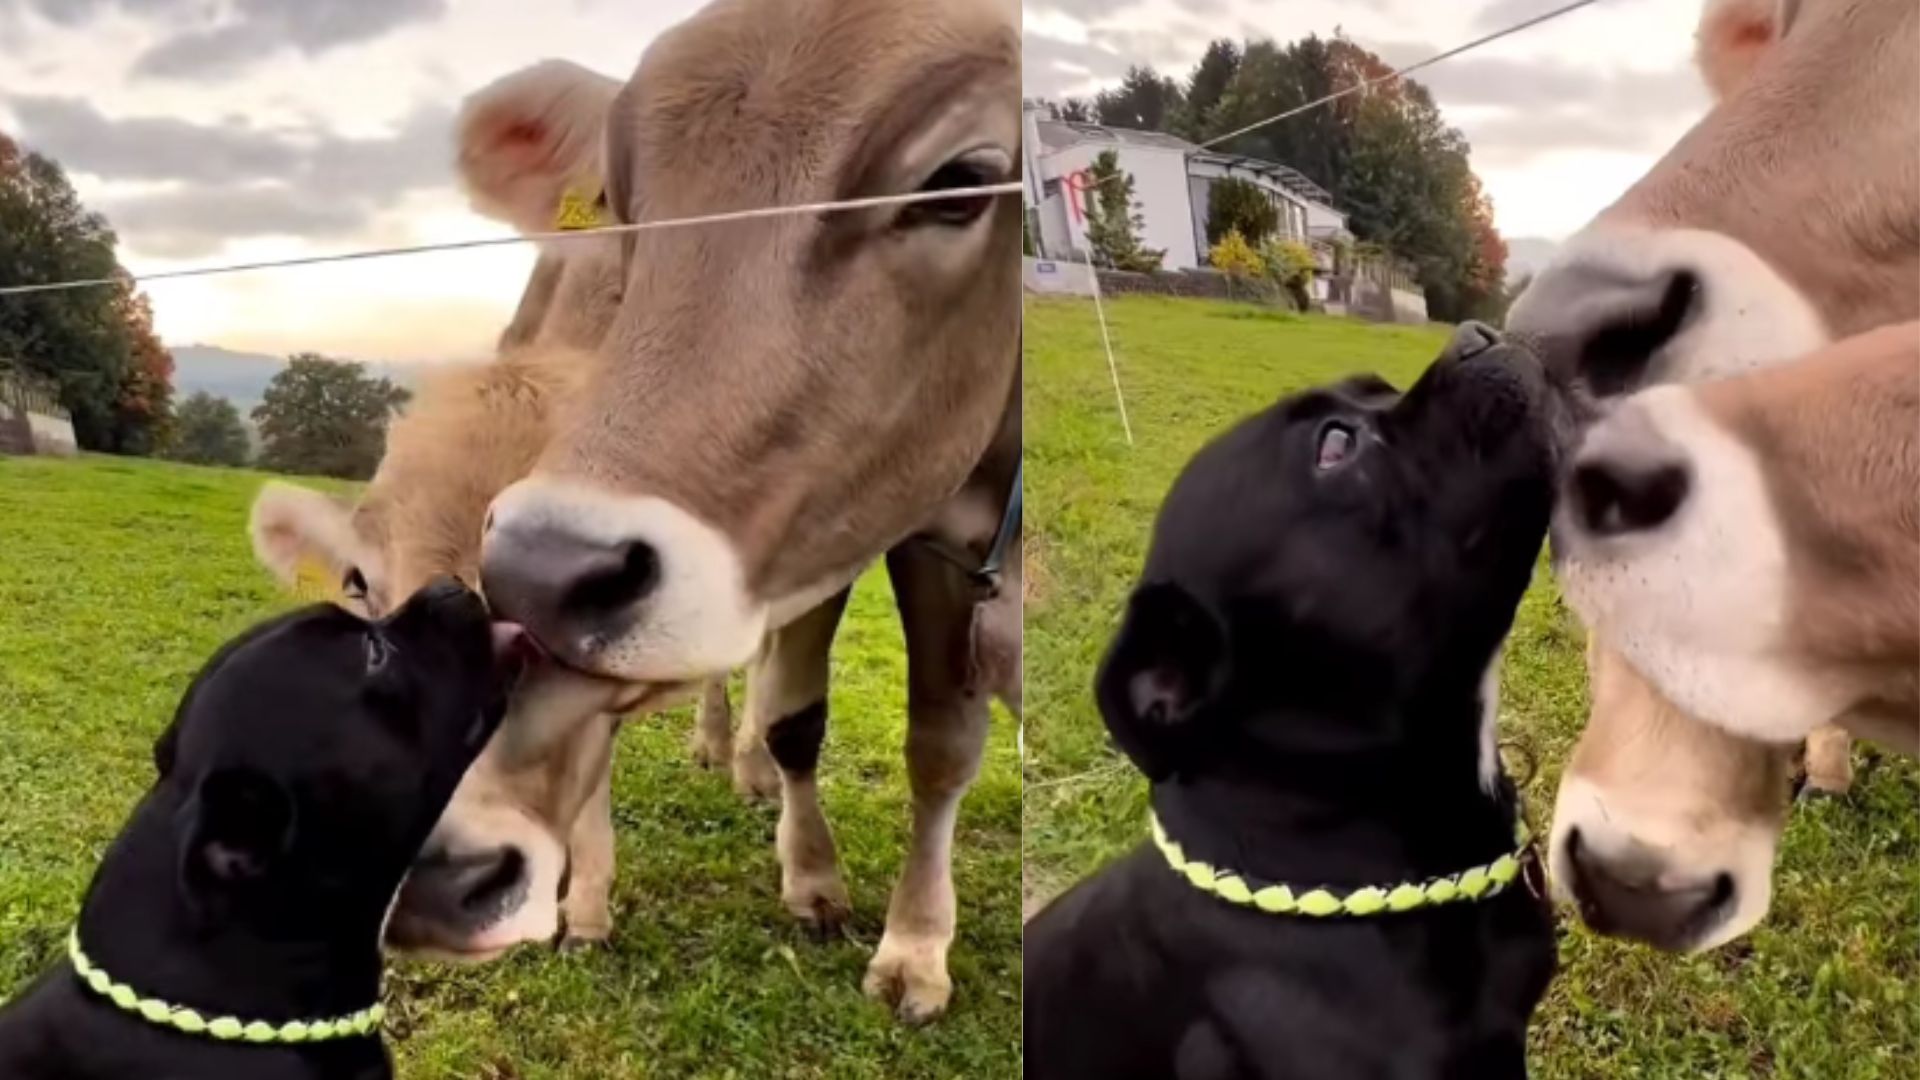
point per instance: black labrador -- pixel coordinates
(301, 773)
(1303, 674)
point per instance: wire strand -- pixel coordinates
(836, 206)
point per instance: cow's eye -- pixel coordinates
(1339, 443)
(354, 585)
(977, 168)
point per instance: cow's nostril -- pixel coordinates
(1615, 357)
(1615, 498)
(628, 579)
(495, 880)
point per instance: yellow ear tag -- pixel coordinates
(580, 208)
(314, 583)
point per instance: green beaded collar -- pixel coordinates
(1474, 883)
(223, 1028)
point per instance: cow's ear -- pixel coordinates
(307, 541)
(1734, 38)
(1164, 671)
(236, 828)
(528, 138)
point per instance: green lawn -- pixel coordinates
(1829, 987)
(118, 577)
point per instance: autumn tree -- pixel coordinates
(326, 417)
(78, 338)
(1386, 155)
(143, 408)
(208, 431)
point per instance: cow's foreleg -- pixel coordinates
(1829, 761)
(947, 715)
(787, 700)
(712, 744)
(755, 773)
(586, 910)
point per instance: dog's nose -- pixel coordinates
(464, 890)
(1598, 325)
(1616, 495)
(1622, 896)
(560, 584)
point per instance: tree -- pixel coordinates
(1236, 205)
(208, 431)
(1074, 109)
(1113, 219)
(326, 417)
(1143, 101)
(79, 338)
(1209, 81)
(143, 408)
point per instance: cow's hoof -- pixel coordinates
(755, 776)
(710, 752)
(821, 907)
(1814, 789)
(911, 980)
(583, 941)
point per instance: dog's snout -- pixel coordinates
(1600, 326)
(560, 584)
(1615, 496)
(1624, 896)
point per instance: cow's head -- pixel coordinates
(781, 399)
(1786, 216)
(491, 874)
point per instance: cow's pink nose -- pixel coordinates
(566, 590)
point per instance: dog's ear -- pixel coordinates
(166, 748)
(234, 829)
(1167, 665)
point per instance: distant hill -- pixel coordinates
(1528, 255)
(242, 377)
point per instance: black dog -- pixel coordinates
(301, 773)
(1300, 676)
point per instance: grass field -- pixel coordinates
(1829, 987)
(117, 578)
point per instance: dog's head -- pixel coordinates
(1329, 562)
(312, 755)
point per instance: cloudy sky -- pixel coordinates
(214, 131)
(1562, 117)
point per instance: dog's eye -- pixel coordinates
(976, 169)
(378, 652)
(354, 585)
(1338, 444)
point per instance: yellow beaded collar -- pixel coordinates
(223, 1028)
(1475, 883)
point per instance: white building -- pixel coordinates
(1171, 182)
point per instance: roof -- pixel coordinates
(1057, 135)
(1284, 175)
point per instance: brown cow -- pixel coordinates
(1752, 545)
(832, 388)
(1784, 219)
